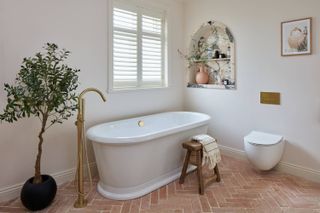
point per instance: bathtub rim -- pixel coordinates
(147, 137)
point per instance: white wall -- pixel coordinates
(79, 26)
(259, 67)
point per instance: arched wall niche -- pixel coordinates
(213, 46)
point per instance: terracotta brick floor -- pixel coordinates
(242, 189)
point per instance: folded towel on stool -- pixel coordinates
(211, 153)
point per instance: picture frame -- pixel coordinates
(296, 37)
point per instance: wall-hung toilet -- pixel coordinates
(263, 150)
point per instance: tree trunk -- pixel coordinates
(37, 175)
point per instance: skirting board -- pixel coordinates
(296, 170)
(13, 191)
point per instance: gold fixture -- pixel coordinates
(81, 201)
(270, 98)
(141, 123)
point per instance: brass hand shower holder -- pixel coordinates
(81, 201)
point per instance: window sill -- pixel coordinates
(128, 90)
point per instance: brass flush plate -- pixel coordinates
(270, 98)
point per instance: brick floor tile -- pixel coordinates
(163, 193)
(242, 189)
(154, 197)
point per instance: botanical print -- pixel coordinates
(296, 37)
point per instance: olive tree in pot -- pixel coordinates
(44, 88)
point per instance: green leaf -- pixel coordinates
(43, 85)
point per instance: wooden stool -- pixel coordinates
(194, 147)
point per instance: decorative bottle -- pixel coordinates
(229, 52)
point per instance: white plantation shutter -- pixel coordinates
(138, 49)
(125, 51)
(152, 57)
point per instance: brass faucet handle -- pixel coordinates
(141, 123)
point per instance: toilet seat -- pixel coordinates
(262, 139)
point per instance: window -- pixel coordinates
(138, 52)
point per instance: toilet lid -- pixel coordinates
(261, 138)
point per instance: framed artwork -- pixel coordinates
(296, 37)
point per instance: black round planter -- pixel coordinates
(38, 196)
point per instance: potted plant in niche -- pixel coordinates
(198, 58)
(44, 88)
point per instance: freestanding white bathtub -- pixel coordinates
(134, 160)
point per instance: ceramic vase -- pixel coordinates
(202, 76)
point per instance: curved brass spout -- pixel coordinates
(91, 89)
(81, 101)
(81, 202)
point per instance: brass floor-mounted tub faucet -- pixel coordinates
(81, 201)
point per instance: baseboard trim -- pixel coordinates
(13, 191)
(232, 152)
(296, 170)
(300, 171)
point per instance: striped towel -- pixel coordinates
(211, 153)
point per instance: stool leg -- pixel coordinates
(199, 170)
(185, 166)
(216, 170)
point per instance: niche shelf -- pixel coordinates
(214, 59)
(213, 43)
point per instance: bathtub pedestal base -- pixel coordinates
(143, 189)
